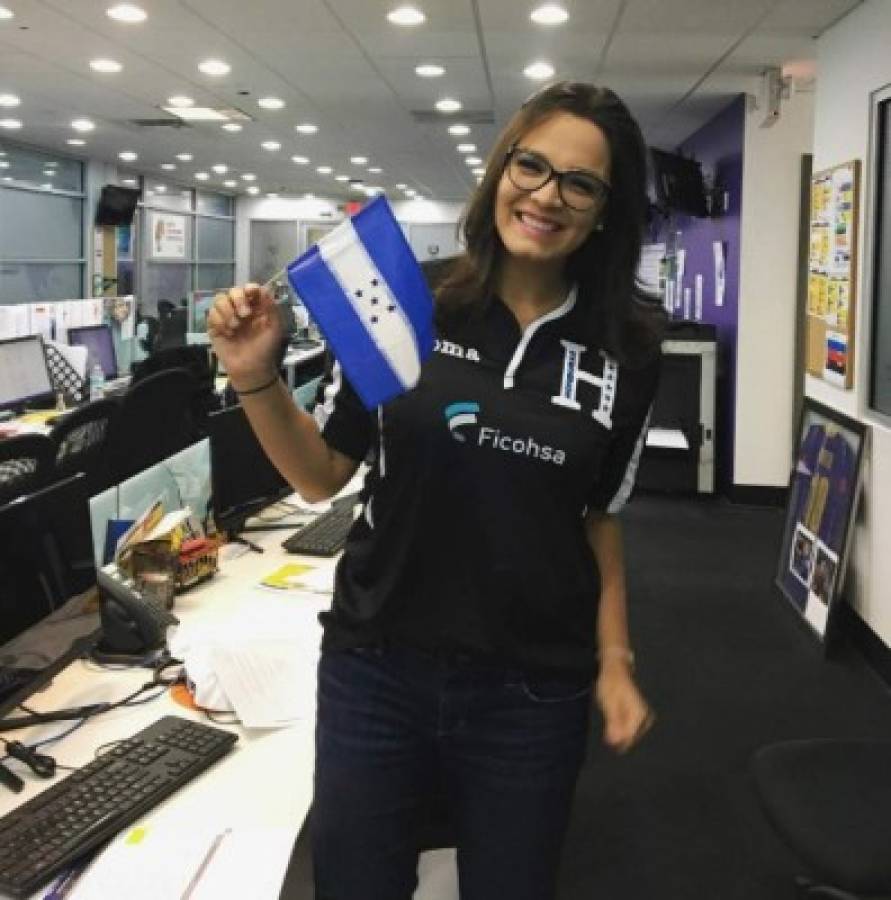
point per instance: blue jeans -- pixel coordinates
(506, 749)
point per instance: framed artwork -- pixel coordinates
(832, 270)
(823, 491)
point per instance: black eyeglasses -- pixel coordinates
(578, 189)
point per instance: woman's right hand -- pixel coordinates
(246, 333)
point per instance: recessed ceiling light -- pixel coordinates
(375, 170)
(406, 15)
(11, 124)
(184, 157)
(128, 181)
(478, 171)
(230, 183)
(429, 70)
(248, 176)
(51, 165)
(459, 130)
(341, 177)
(309, 196)
(126, 12)
(201, 176)
(6, 13)
(253, 190)
(539, 71)
(49, 173)
(271, 103)
(161, 188)
(549, 14)
(220, 169)
(306, 128)
(75, 142)
(359, 160)
(466, 148)
(180, 102)
(168, 167)
(473, 161)
(47, 187)
(231, 126)
(214, 67)
(82, 125)
(324, 170)
(448, 105)
(4, 164)
(128, 156)
(108, 66)
(271, 146)
(9, 100)
(272, 195)
(300, 160)
(402, 187)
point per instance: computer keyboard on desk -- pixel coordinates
(89, 806)
(325, 535)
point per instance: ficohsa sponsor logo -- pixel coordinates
(463, 419)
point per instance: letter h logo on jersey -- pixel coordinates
(606, 383)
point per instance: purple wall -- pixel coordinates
(718, 146)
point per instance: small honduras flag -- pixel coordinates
(368, 295)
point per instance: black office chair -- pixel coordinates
(79, 442)
(197, 360)
(25, 465)
(172, 328)
(154, 421)
(830, 800)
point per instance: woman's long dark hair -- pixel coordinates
(624, 321)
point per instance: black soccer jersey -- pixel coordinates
(472, 534)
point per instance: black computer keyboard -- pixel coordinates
(89, 806)
(325, 535)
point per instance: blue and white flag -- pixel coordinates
(364, 288)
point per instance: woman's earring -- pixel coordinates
(598, 225)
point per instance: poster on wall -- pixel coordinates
(168, 236)
(832, 268)
(823, 492)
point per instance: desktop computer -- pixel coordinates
(24, 374)
(100, 347)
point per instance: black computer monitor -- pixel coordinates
(100, 347)
(243, 480)
(24, 375)
(46, 558)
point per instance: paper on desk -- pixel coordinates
(189, 862)
(265, 679)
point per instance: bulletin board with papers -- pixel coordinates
(832, 273)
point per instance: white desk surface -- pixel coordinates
(265, 781)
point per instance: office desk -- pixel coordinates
(265, 781)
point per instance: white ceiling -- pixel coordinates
(343, 66)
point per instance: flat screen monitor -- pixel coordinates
(678, 183)
(116, 205)
(200, 303)
(46, 565)
(24, 375)
(100, 347)
(243, 480)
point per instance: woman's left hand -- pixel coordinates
(626, 715)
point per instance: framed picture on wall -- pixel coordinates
(823, 492)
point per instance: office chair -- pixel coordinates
(199, 362)
(154, 421)
(830, 800)
(25, 465)
(79, 442)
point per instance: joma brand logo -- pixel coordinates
(449, 348)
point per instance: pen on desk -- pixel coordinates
(64, 884)
(215, 845)
(249, 544)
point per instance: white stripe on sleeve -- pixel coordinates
(624, 492)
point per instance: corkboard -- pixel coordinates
(832, 273)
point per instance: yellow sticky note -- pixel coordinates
(136, 835)
(286, 576)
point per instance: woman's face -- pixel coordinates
(538, 225)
